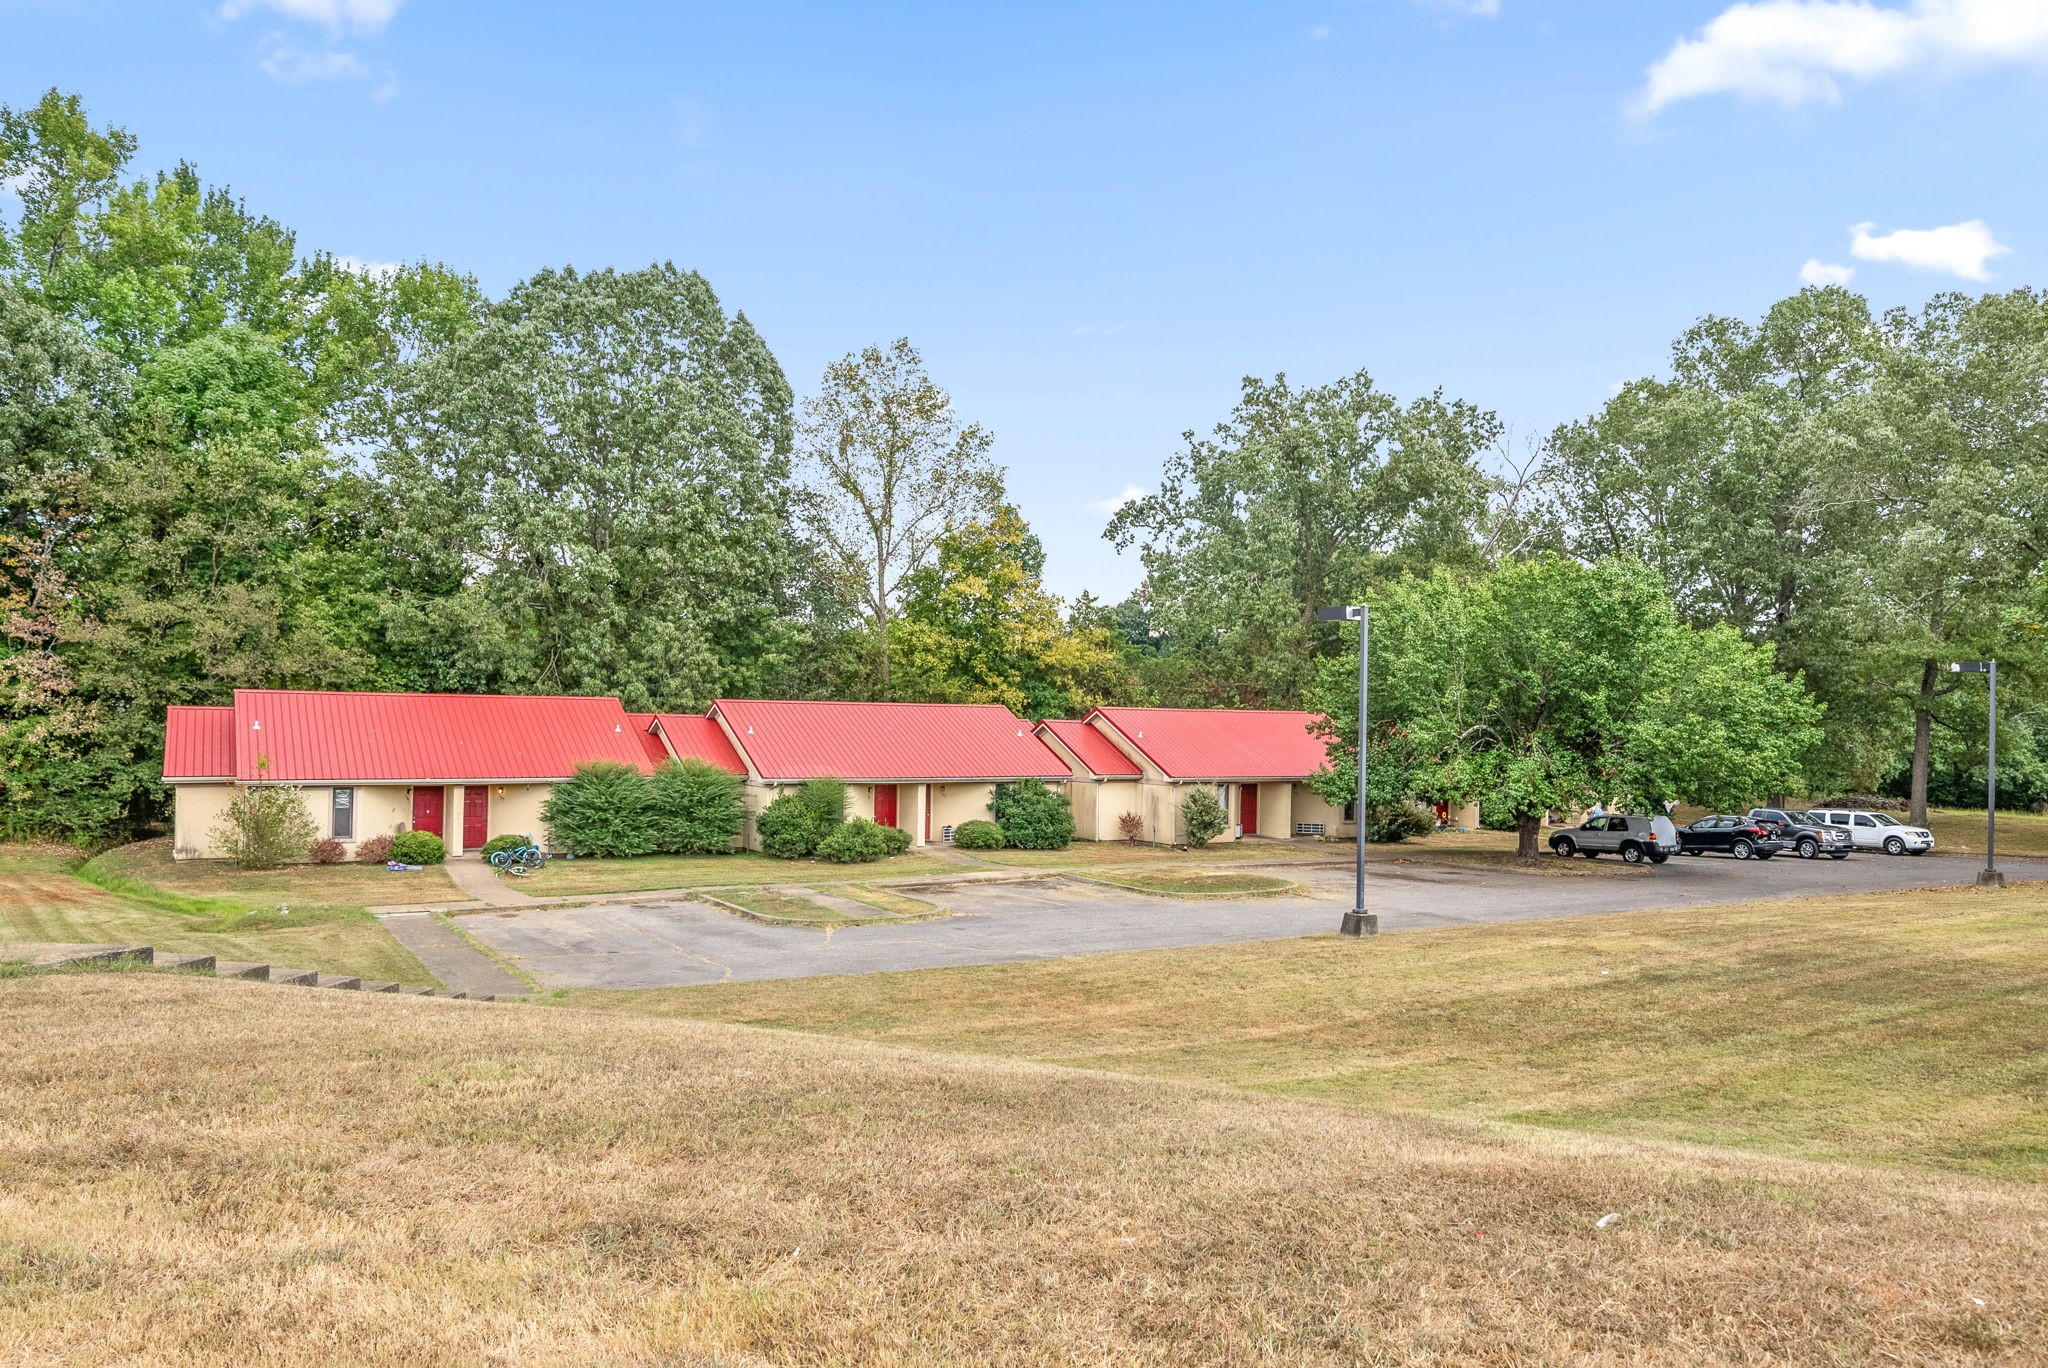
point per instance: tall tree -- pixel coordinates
(590, 494)
(889, 470)
(1303, 497)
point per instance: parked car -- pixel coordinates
(1878, 831)
(1811, 837)
(1634, 838)
(1724, 834)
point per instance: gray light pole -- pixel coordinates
(1358, 921)
(1989, 875)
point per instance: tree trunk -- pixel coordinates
(1527, 825)
(1923, 737)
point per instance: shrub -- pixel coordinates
(264, 827)
(896, 838)
(695, 808)
(978, 836)
(326, 850)
(373, 849)
(857, 841)
(602, 810)
(1202, 815)
(418, 847)
(1033, 816)
(1386, 823)
(1131, 826)
(785, 827)
(498, 843)
(825, 800)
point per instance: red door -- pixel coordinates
(885, 805)
(476, 817)
(1248, 808)
(426, 809)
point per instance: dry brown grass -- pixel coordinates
(739, 869)
(223, 1173)
(1201, 883)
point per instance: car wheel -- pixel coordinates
(1659, 857)
(1921, 851)
(1767, 854)
(1562, 847)
(1809, 850)
(1839, 855)
(1894, 846)
(1742, 850)
(1631, 853)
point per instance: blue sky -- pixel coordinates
(1095, 218)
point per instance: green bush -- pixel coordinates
(785, 827)
(897, 838)
(1388, 823)
(978, 836)
(1202, 815)
(498, 843)
(825, 800)
(265, 826)
(418, 847)
(856, 841)
(696, 808)
(1033, 816)
(602, 810)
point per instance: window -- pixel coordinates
(1864, 819)
(1617, 824)
(344, 828)
(1351, 812)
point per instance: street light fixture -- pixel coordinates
(1358, 921)
(1989, 877)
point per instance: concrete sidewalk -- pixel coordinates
(449, 957)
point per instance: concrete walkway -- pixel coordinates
(484, 884)
(460, 966)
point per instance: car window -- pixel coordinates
(1803, 818)
(1880, 819)
(1836, 818)
(1617, 824)
(1863, 819)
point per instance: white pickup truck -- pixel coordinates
(1878, 831)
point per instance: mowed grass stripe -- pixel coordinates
(1904, 1028)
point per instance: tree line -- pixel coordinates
(226, 461)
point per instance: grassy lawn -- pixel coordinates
(1213, 883)
(347, 885)
(43, 899)
(1904, 1028)
(770, 902)
(882, 900)
(1115, 854)
(206, 1172)
(714, 871)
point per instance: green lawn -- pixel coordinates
(715, 871)
(1907, 1028)
(201, 911)
(1210, 883)
(348, 885)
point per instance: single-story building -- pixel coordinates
(465, 767)
(923, 767)
(1106, 783)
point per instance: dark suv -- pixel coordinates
(1811, 838)
(1737, 836)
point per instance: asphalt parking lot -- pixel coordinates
(675, 944)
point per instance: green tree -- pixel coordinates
(697, 808)
(264, 826)
(605, 808)
(1033, 815)
(1202, 817)
(1303, 497)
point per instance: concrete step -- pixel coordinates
(191, 964)
(297, 978)
(61, 954)
(418, 992)
(446, 994)
(378, 986)
(241, 969)
(343, 981)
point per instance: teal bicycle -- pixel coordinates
(520, 860)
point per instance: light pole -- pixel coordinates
(1989, 875)
(1358, 921)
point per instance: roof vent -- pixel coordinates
(750, 731)
(256, 725)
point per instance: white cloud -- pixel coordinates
(1818, 272)
(296, 67)
(377, 270)
(387, 89)
(1795, 51)
(363, 16)
(1961, 249)
(1110, 505)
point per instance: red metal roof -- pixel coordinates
(696, 737)
(311, 737)
(1222, 743)
(199, 743)
(649, 742)
(1094, 750)
(909, 742)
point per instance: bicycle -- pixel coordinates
(520, 861)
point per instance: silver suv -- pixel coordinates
(1634, 838)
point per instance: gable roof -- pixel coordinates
(650, 740)
(1222, 743)
(693, 736)
(310, 736)
(199, 742)
(907, 742)
(1096, 752)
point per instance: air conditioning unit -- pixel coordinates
(1308, 828)
(946, 835)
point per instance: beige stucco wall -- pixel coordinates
(1310, 807)
(953, 804)
(1098, 804)
(381, 810)
(1276, 810)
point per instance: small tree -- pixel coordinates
(602, 810)
(1131, 826)
(265, 826)
(696, 808)
(825, 801)
(786, 828)
(1033, 816)
(1202, 815)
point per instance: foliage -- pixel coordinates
(1131, 826)
(326, 850)
(264, 826)
(978, 835)
(696, 808)
(603, 809)
(888, 471)
(855, 841)
(499, 844)
(418, 848)
(895, 839)
(1389, 823)
(1033, 815)
(373, 849)
(786, 827)
(1201, 816)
